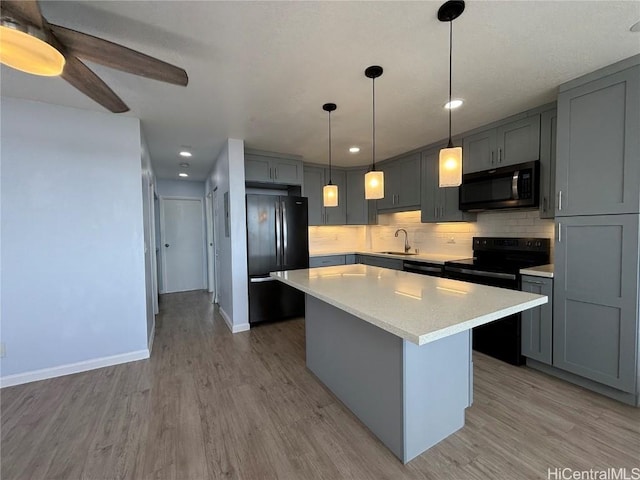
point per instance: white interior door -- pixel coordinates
(182, 235)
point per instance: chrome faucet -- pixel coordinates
(407, 247)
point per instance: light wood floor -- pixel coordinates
(209, 405)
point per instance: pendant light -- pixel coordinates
(450, 168)
(25, 48)
(373, 180)
(330, 191)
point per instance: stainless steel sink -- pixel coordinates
(399, 253)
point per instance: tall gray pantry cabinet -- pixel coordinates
(597, 210)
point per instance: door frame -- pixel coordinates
(162, 238)
(216, 245)
(153, 246)
(211, 284)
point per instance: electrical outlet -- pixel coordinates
(3, 351)
(451, 240)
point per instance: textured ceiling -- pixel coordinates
(261, 71)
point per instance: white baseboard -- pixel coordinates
(243, 327)
(45, 373)
(152, 336)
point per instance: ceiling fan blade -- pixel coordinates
(117, 56)
(26, 10)
(80, 76)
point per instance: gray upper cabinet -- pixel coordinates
(438, 204)
(548, 135)
(518, 141)
(312, 189)
(360, 211)
(596, 298)
(598, 151)
(515, 142)
(272, 169)
(314, 179)
(537, 323)
(479, 151)
(401, 184)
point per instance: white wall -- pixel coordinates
(180, 188)
(73, 267)
(227, 176)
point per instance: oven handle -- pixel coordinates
(482, 273)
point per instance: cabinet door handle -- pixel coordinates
(560, 200)
(500, 155)
(276, 172)
(435, 212)
(559, 232)
(544, 204)
(492, 162)
(441, 211)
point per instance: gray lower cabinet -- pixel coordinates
(375, 261)
(401, 184)
(438, 204)
(548, 135)
(514, 142)
(595, 292)
(360, 211)
(264, 168)
(537, 323)
(597, 164)
(314, 179)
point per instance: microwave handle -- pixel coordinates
(514, 185)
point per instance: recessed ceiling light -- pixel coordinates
(453, 104)
(184, 165)
(635, 28)
(182, 174)
(354, 149)
(185, 153)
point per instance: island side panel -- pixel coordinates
(436, 391)
(361, 364)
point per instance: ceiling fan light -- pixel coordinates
(450, 167)
(25, 51)
(330, 196)
(374, 185)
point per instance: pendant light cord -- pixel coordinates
(330, 149)
(450, 145)
(374, 123)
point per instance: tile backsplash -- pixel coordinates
(444, 238)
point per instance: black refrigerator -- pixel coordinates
(277, 239)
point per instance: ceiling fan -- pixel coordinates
(31, 44)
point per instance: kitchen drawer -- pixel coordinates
(327, 261)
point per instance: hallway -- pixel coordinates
(209, 404)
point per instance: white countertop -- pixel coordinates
(437, 258)
(541, 271)
(418, 308)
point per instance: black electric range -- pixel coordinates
(497, 262)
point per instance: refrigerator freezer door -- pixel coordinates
(263, 241)
(295, 233)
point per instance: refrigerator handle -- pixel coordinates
(278, 234)
(285, 233)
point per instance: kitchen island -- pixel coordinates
(395, 347)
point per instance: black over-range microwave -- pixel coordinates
(514, 186)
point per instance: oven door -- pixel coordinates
(499, 339)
